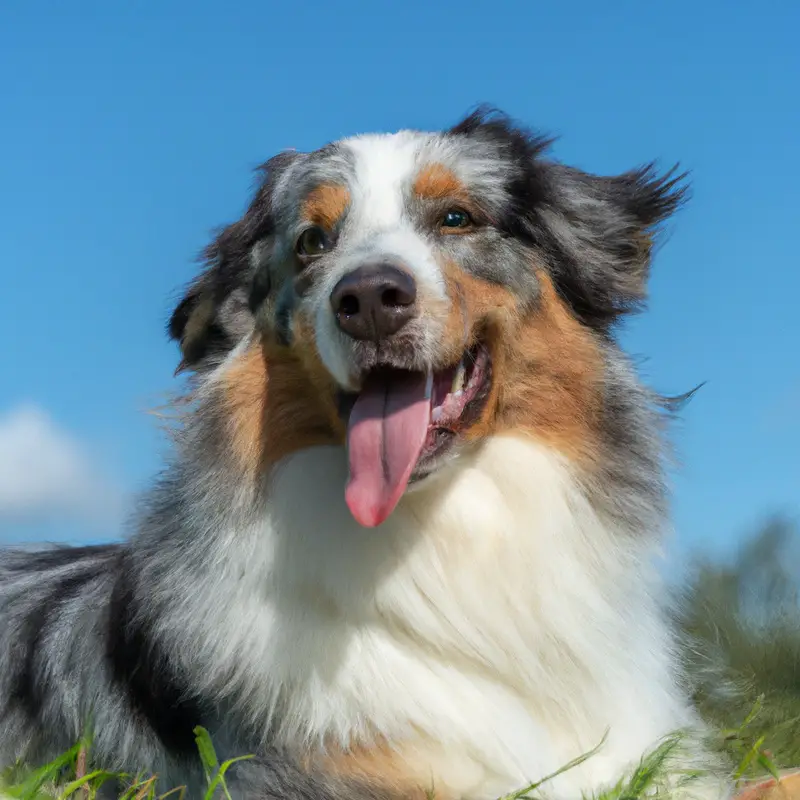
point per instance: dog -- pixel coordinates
(405, 540)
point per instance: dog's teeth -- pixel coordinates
(458, 378)
(436, 414)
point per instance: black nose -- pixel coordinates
(374, 301)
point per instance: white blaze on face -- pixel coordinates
(378, 229)
(384, 166)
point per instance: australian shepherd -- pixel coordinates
(404, 546)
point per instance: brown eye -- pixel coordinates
(456, 218)
(313, 242)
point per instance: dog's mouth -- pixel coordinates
(400, 425)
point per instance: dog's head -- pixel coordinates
(415, 293)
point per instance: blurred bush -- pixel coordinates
(742, 626)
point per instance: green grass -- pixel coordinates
(742, 622)
(66, 777)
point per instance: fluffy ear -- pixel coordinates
(601, 232)
(213, 313)
(217, 308)
(596, 233)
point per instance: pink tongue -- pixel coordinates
(387, 429)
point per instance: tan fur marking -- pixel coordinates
(400, 772)
(437, 182)
(276, 405)
(546, 365)
(474, 304)
(769, 789)
(326, 205)
(198, 322)
(551, 379)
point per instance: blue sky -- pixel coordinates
(129, 131)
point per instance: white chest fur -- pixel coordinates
(495, 615)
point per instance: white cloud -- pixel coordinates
(45, 473)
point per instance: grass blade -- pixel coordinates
(522, 794)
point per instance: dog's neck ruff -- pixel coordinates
(469, 623)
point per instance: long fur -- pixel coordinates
(502, 620)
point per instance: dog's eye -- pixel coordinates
(456, 218)
(313, 242)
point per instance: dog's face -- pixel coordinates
(415, 293)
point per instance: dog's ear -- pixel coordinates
(596, 233)
(213, 313)
(216, 310)
(602, 230)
